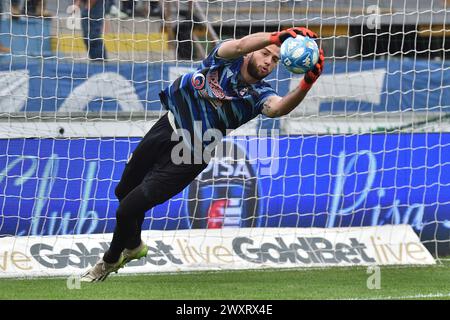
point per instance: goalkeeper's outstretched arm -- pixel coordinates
(276, 106)
(239, 47)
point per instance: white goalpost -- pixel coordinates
(356, 175)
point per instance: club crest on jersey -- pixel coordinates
(198, 80)
(243, 92)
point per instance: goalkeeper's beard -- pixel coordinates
(252, 69)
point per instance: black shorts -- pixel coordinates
(150, 167)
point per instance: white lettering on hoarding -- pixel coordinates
(51, 223)
(412, 215)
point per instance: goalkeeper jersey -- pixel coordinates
(214, 97)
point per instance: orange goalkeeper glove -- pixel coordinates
(312, 75)
(279, 37)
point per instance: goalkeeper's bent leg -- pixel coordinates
(130, 215)
(159, 186)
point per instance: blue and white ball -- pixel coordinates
(299, 54)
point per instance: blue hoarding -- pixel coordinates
(54, 85)
(59, 186)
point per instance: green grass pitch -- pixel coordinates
(430, 282)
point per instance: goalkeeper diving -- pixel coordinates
(224, 93)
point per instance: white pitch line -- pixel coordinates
(417, 296)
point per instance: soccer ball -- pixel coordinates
(299, 54)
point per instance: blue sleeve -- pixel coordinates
(213, 59)
(264, 93)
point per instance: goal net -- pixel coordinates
(361, 162)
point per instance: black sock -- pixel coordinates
(130, 216)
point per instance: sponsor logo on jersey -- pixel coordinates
(243, 91)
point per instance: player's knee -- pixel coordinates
(153, 196)
(135, 202)
(121, 213)
(120, 192)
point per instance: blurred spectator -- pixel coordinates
(155, 9)
(112, 7)
(128, 7)
(34, 8)
(142, 8)
(3, 49)
(180, 20)
(92, 19)
(37, 8)
(16, 8)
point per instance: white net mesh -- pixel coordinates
(368, 146)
